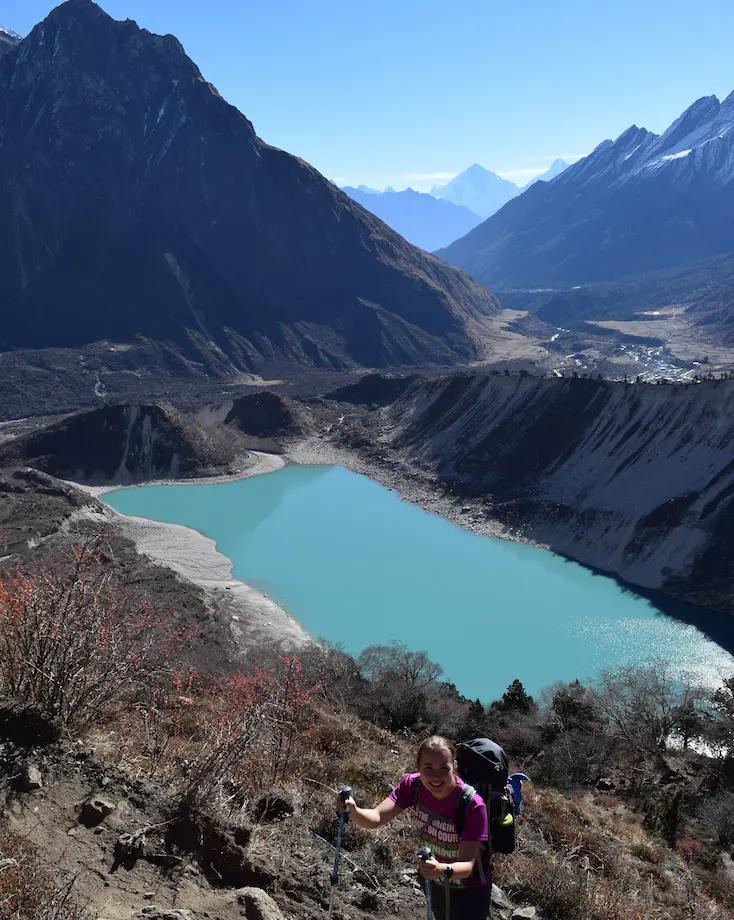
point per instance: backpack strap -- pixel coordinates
(467, 794)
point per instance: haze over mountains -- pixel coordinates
(434, 220)
(135, 202)
(428, 222)
(639, 203)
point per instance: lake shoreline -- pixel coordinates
(254, 618)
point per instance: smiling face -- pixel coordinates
(438, 772)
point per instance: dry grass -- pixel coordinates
(28, 888)
(579, 859)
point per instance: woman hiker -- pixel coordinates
(458, 864)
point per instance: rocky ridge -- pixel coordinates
(124, 443)
(638, 203)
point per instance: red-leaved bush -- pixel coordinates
(257, 726)
(75, 643)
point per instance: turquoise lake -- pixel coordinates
(357, 565)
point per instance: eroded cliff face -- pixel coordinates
(122, 444)
(633, 479)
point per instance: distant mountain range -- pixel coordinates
(135, 203)
(426, 221)
(555, 169)
(642, 202)
(435, 220)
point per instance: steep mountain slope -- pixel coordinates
(8, 40)
(478, 189)
(121, 444)
(134, 201)
(639, 203)
(423, 220)
(633, 479)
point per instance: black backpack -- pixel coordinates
(484, 765)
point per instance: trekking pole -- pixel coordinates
(344, 793)
(425, 853)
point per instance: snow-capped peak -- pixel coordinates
(700, 130)
(10, 34)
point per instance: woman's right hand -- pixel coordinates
(348, 805)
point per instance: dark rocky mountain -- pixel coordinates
(423, 220)
(269, 416)
(134, 201)
(121, 444)
(8, 40)
(639, 203)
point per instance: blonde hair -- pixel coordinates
(434, 745)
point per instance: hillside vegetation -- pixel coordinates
(141, 781)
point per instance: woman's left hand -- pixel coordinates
(431, 868)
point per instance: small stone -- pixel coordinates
(71, 832)
(258, 904)
(30, 778)
(95, 810)
(524, 913)
(149, 895)
(498, 897)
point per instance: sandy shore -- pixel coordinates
(254, 618)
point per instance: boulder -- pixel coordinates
(162, 913)
(94, 810)
(524, 913)
(258, 904)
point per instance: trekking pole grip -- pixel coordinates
(344, 793)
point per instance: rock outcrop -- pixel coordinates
(120, 444)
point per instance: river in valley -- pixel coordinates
(357, 565)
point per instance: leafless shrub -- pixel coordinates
(643, 705)
(717, 817)
(73, 642)
(256, 728)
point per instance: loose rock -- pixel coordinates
(258, 904)
(95, 810)
(162, 913)
(524, 913)
(30, 778)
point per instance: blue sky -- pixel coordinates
(411, 92)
